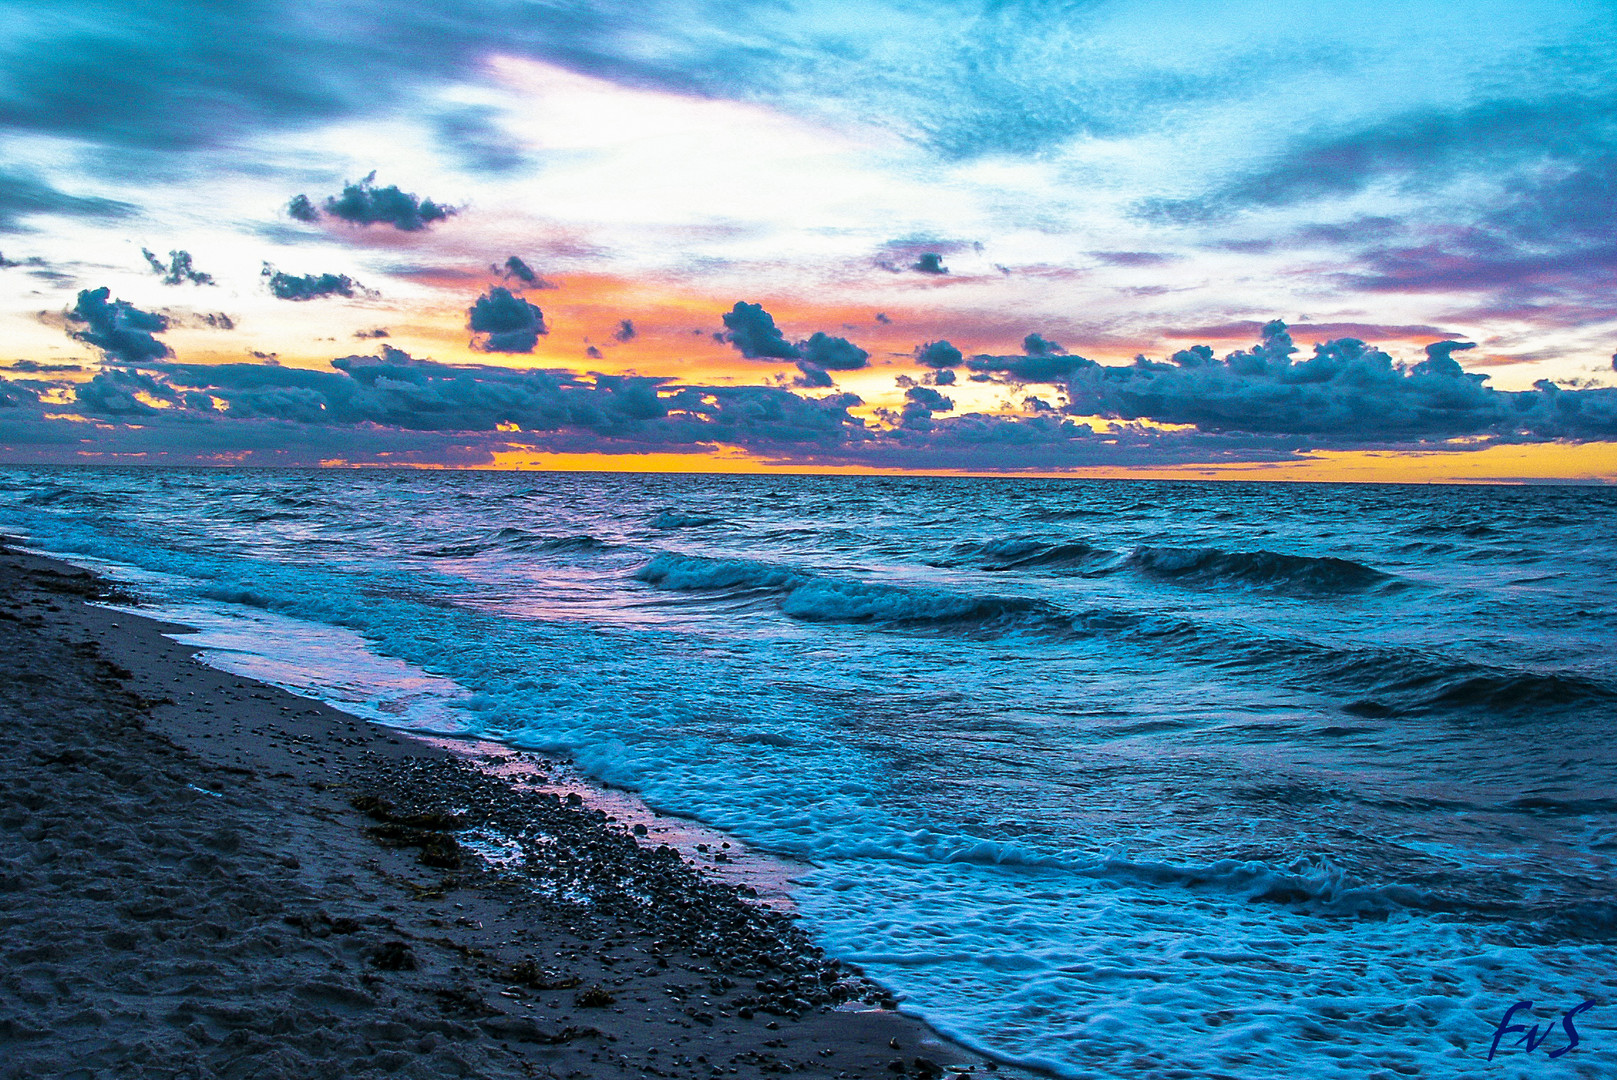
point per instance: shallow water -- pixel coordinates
(1110, 777)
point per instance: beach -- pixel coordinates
(205, 876)
(1101, 780)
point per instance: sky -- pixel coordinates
(1334, 241)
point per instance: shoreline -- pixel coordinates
(222, 878)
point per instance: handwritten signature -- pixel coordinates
(1530, 1036)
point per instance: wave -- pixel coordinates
(1392, 682)
(1045, 514)
(512, 539)
(1265, 569)
(71, 497)
(1028, 552)
(678, 519)
(812, 597)
(1380, 682)
(1312, 882)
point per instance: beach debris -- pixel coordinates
(393, 956)
(596, 997)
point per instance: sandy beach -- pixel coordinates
(204, 876)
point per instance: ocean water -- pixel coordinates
(1110, 778)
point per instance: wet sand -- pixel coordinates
(204, 876)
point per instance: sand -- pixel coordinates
(204, 876)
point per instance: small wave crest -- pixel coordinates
(512, 539)
(1264, 569)
(72, 497)
(1028, 552)
(1311, 882)
(812, 597)
(669, 518)
(1411, 682)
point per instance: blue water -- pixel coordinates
(1114, 778)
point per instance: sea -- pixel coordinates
(1102, 777)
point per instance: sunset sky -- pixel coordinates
(1050, 237)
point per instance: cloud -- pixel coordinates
(310, 286)
(1347, 393)
(514, 269)
(812, 377)
(1416, 147)
(23, 196)
(930, 262)
(365, 204)
(920, 403)
(14, 395)
(939, 354)
(120, 330)
(1042, 361)
(752, 330)
(474, 134)
(1512, 196)
(398, 392)
(1132, 258)
(503, 322)
(625, 330)
(832, 353)
(1257, 404)
(113, 393)
(178, 270)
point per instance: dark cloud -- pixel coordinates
(178, 270)
(395, 391)
(366, 204)
(625, 330)
(1346, 393)
(16, 396)
(23, 196)
(920, 403)
(514, 269)
(881, 317)
(593, 353)
(310, 286)
(1439, 356)
(930, 262)
(120, 330)
(1036, 345)
(812, 377)
(112, 393)
(373, 332)
(503, 322)
(832, 353)
(752, 330)
(939, 354)
(944, 378)
(1258, 404)
(1042, 361)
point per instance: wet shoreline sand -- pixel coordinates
(202, 875)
